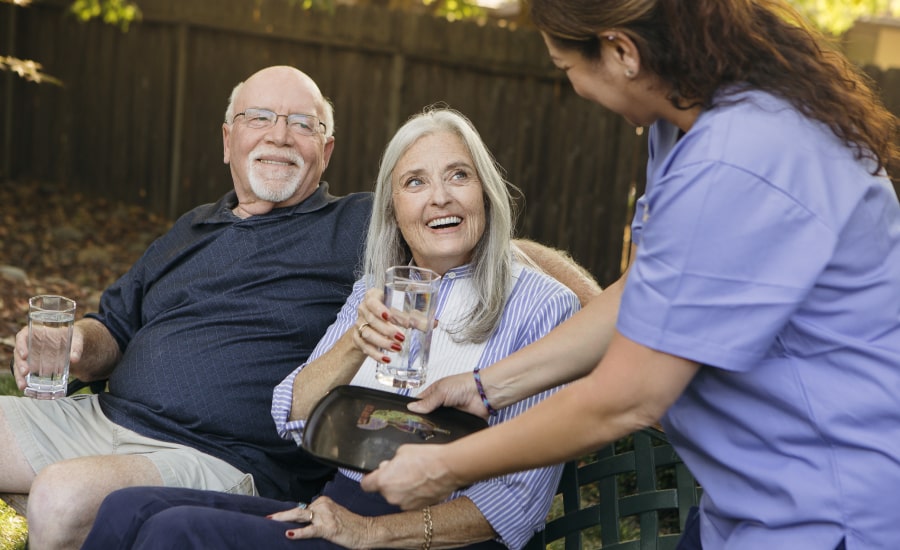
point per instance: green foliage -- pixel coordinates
(832, 16)
(451, 10)
(113, 12)
(8, 384)
(456, 9)
(837, 16)
(323, 5)
(13, 529)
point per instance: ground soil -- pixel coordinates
(57, 242)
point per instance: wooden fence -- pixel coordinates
(139, 116)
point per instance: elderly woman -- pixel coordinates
(440, 203)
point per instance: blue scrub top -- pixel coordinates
(770, 255)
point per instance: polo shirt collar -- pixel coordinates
(221, 210)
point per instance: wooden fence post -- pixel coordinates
(398, 68)
(8, 76)
(178, 119)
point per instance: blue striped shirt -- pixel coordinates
(516, 504)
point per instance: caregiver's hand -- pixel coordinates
(457, 391)
(416, 477)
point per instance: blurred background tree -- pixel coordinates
(449, 9)
(113, 12)
(836, 16)
(832, 16)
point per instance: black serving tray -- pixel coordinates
(356, 427)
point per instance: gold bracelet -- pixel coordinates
(429, 528)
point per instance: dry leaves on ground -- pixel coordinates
(56, 242)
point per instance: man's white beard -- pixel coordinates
(276, 190)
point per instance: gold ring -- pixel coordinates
(360, 329)
(311, 516)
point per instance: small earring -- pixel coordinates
(610, 38)
(629, 73)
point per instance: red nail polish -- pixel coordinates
(290, 534)
(384, 316)
(396, 347)
(399, 337)
(385, 359)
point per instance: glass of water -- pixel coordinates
(50, 324)
(411, 294)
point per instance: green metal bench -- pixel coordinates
(633, 494)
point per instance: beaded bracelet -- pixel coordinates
(487, 405)
(429, 528)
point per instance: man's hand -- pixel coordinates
(20, 354)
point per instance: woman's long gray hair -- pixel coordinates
(492, 259)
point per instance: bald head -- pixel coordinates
(280, 77)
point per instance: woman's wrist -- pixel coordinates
(479, 386)
(413, 530)
(499, 391)
(429, 528)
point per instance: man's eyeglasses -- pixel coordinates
(261, 119)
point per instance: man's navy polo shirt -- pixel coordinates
(216, 313)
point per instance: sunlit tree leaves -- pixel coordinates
(114, 12)
(837, 16)
(832, 16)
(27, 69)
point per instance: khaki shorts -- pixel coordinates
(51, 431)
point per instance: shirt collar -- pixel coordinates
(220, 211)
(463, 271)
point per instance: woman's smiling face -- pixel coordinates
(438, 201)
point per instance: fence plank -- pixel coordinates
(139, 118)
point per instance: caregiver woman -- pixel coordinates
(760, 318)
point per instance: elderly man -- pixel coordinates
(196, 335)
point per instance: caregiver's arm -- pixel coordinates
(567, 353)
(631, 388)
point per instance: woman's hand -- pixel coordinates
(416, 477)
(457, 391)
(379, 328)
(330, 521)
(374, 331)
